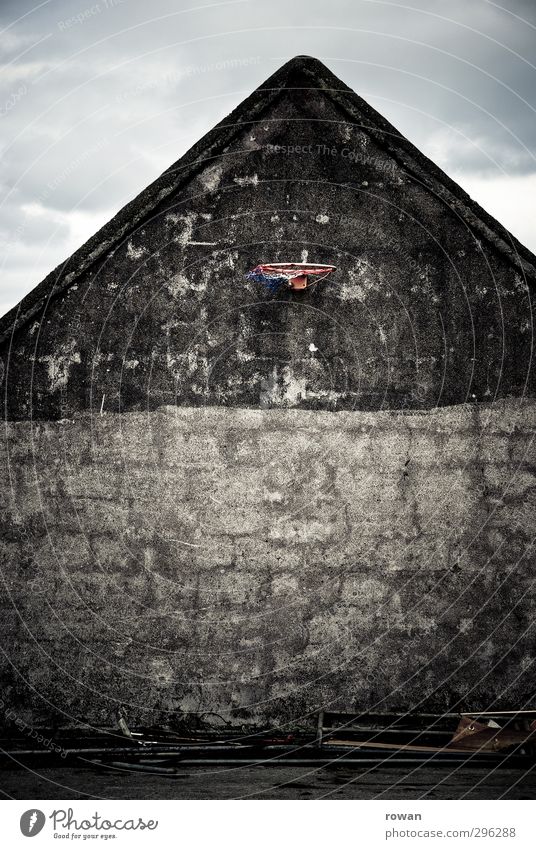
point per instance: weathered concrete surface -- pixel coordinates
(263, 563)
(230, 534)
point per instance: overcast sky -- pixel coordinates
(97, 99)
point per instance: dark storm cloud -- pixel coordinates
(96, 99)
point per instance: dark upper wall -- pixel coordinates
(421, 312)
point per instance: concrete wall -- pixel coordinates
(244, 529)
(262, 563)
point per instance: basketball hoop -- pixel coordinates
(293, 275)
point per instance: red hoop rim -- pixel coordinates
(299, 267)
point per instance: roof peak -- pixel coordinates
(303, 71)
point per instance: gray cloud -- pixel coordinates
(96, 99)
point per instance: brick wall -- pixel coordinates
(262, 563)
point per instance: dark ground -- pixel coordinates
(272, 782)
